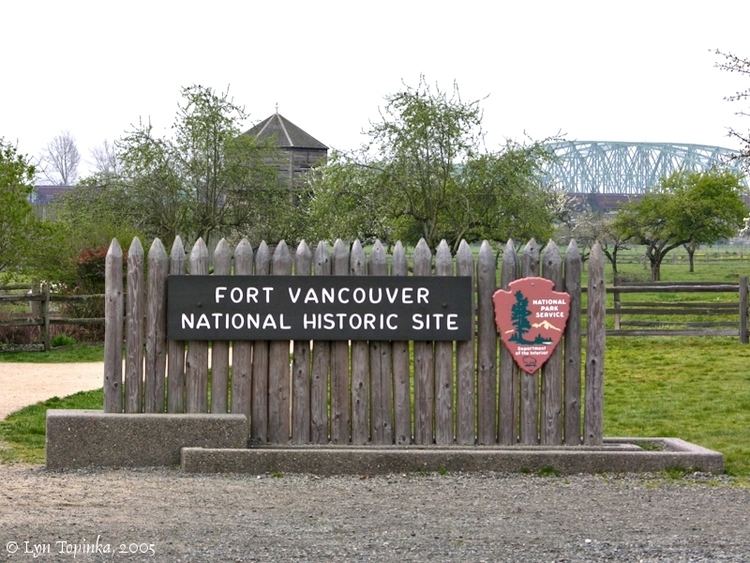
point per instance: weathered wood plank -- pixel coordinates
(242, 350)
(552, 371)
(340, 396)
(509, 373)
(443, 362)
(301, 362)
(529, 411)
(465, 372)
(593, 417)
(487, 346)
(401, 369)
(156, 328)
(573, 267)
(259, 409)
(381, 366)
(113, 327)
(321, 366)
(279, 377)
(360, 364)
(196, 362)
(744, 335)
(175, 348)
(424, 363)
(220, 349)
(135, 330)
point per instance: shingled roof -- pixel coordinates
(284, 133)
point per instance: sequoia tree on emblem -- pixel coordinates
(531, 319)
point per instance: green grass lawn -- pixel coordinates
(63, 354)
(697, 389)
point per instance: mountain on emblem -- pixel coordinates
(531, 318)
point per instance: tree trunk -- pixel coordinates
(656, 270)
(691, 258)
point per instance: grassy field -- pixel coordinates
(63, 354)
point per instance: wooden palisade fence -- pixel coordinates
(359, 392)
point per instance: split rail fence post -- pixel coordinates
(175, 348)
(46, 337)
(135, 334)
(156, 328)
(401, 376)
(509, 373)
(260, 355)
(113, 320)
(465, 359)
(486, 346)
(593, 417)
(242, 351)
(321, 362)
(552, 371)
(744, 337)
(196, 362)
(220, 349)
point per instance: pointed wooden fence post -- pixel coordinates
(242, 350)
(593, 417)
(321, 363)
(260, 355)
(340, 396)
(220, 349)
(381, 365)
(401, 370)
(529, 382)
(113, 327)
(443, 362)
(509, 373)
(301, 362)
(424, 363)
(360, 364)
(134, 336)
(487, 346)
(156, 327)
(573, 346)
(465, 371)
(196, 363)
(176, 349)
(552, 371)
(279, 377)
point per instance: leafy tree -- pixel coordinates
(208, 180)
(426, 174)
(686, 208)
(16, 217)
(590, 226)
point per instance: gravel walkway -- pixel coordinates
(456, 517)
(23, 384)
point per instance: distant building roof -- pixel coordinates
(43, 195)
(284, 133)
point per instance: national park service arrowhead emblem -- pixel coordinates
(531, 319)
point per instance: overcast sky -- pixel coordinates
(602, 70)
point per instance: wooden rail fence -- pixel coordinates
(40, 313)
(676, 316)
(358, 392)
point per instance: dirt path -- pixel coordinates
(23, 384)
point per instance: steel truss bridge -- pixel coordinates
(627, 169)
